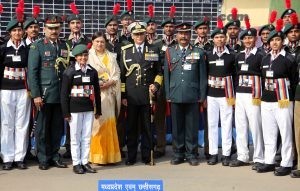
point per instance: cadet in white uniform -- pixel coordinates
(79, 94)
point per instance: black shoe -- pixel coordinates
(77, 169)
(7, 166)
(146, 161)
(43, 166)
(237, 163)
(213, 159)
(129, 162)
(59, 164)
(295, 174)
(158, 154)
(265, 168)
(256, 165)
(67, 154)
(282, 171)
(225, 160)
(21, 165)
(123, 154)
(176, 161)
(193, 161)
(207, 156)
(88, 168)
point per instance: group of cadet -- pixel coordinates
(226, 77)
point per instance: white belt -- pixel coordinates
(216, 82)
(245, 81)
(82, 91)
(13, 73)
(270, 84)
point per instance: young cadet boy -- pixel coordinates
(248, 98)
(79, 94)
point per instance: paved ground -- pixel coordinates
(175, 178)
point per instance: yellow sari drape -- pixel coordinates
(104, 141)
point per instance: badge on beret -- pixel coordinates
(249, 32)
(138, 26)
(19, 24)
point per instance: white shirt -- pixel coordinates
(10, 43)
(141, 45)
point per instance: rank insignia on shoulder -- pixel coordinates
(126, 46)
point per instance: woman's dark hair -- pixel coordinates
(98, 34)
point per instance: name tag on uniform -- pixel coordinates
(219, 62)
(244, 67)
(187, 67)
(78, 76)
(266, 66)
(164, 48)
(16, 58)
(86, 79)
(128, 60)
(270, 73)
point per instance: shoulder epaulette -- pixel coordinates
(126, 46)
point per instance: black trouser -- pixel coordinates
(121, 127)
(206, 148)
(134, 113)
(185, 124)
(48, 132)
(160, 121)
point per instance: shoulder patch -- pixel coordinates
(126, 46)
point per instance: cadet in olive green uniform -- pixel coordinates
(185, 84)
(44, 82)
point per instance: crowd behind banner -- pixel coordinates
(113, 91)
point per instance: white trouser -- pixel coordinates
(248, 115)
(80, 134)
(15, 113)
(216, 105)
(274, 119)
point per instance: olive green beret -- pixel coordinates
(79, 49)
(14, 23)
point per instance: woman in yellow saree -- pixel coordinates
(104, 141)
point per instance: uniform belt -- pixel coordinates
(216, 82)
(245, 81)
(14, 73)
(271, 85)
(82, 91)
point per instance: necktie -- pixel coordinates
(140, 51)
(183, 56)
(56, 48)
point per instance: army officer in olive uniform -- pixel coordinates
(185, 84)
(44, 84)
(140, 76)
